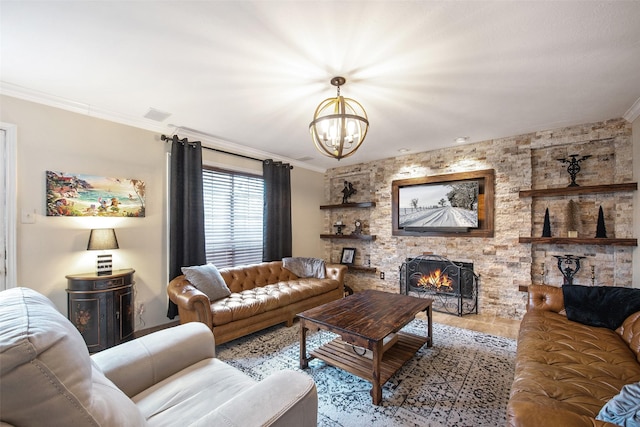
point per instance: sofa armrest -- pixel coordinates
(136, 365)
(336, 272)
(283, 399)
(546, 298)
(193, 304)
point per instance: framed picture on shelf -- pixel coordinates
(348, 255)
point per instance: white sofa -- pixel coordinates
(168, 378)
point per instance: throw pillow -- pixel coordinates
(601, 306)
(207, 279)
(624, 408)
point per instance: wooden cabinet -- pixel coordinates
(102, 307)
(570, 191)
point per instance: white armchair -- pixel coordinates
(168, 378)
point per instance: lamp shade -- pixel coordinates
(102, 239)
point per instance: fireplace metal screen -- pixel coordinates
(453, 285)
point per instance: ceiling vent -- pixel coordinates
(157, 115)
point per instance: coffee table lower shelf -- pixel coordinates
(336, 354)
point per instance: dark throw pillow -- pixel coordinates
(207, 279)
(602, 306)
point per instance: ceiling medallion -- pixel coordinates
(339, 124)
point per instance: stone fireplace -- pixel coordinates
(453, 285)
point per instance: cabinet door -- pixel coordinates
(88, 312)
(124, 314)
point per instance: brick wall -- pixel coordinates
(520, 162)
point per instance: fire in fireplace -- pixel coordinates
(437, 280)
(453, 284)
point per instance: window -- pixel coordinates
(233, 204)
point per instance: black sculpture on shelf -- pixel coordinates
(546, 227)
(569, 261)
(574, 167)
(347, 192)
(601, 230)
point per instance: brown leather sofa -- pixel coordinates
(262, 295)
(567, 371)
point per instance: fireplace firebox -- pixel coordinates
(453, 285)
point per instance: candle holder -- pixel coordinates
(571, 267)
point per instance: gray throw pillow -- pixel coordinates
(624, 408)
(207, 279)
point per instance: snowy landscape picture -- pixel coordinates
(442, 205)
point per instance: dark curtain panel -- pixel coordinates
(186, 210)
(277, 210)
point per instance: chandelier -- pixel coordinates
(339, 124)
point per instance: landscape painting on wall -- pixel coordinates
(88, 195)
(454, 204)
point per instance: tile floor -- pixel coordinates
(482, 323)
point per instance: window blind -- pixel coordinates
(233, 207)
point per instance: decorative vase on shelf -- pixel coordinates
(573, 219)
(601, 230)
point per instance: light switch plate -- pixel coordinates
(28, 216)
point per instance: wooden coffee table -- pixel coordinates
(364, 319)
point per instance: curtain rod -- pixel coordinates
(166, 139)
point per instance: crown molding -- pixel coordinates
(632, 113)
(211, 141)
(31, 95)
(215, 142)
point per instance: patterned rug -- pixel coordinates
(463, 380)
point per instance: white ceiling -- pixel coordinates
(252, 72)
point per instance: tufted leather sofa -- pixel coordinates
(566, 371)
(262, 295)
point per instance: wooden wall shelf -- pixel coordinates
(579, 241)
(349, 236)
(350, 205)
(589, 189)
(362, 268)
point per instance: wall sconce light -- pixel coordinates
(339, 124)
(103, 239)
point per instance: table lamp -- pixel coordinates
(103, 239)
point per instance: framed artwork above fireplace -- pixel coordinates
(455, 205)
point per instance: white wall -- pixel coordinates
(58, 140)
(636, 201)
(307, 188)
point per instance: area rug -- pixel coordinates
(463, 380)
